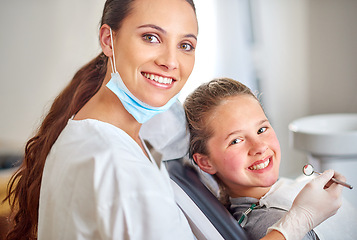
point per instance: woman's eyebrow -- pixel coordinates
(153, 26)
(191, 36)
(164, 31)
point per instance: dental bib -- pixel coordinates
(141, 111)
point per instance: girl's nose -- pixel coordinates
(257, 147)
(168, 58)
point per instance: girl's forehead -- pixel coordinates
(235, 109)
(240, 102)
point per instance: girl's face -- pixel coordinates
(155, 49)
(244, 151)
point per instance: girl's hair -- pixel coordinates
(198, 108)
(24, 187)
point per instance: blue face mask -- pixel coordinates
(141, 111)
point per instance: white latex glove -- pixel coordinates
(312, 205)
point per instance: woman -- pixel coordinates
(232, 139)
(86, 173)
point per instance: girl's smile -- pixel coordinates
(262, 165)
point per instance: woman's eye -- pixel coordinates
(261, 130)
(151, 38)
(235, 141)
(187, 47)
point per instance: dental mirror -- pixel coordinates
(308, 170)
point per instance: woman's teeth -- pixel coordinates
(158, 79)
(260, 166)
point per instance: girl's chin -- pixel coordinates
(270, 182)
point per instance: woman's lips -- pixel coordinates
(158, 78)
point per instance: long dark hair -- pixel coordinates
(24, 186)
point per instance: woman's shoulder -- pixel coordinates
(91, 134)
(99, 149)
(94, 128)
(92, 142)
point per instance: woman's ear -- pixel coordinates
(204, 163)
(105, 40)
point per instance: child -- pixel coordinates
(232, 139)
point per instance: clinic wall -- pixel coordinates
(333, 56)
(308, 56)
(225, 44)
(43, 43)
(281, 28)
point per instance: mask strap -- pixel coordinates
(114, 68)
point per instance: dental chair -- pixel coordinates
(208, 218)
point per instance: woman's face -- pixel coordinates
(155, 49)
(244, 150)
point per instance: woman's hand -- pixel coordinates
(317, 201)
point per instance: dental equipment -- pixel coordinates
(308, 170)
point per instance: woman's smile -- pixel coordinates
(158, 78)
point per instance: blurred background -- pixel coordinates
(301, 56)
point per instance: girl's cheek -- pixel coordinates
(234, 161)
(274, 142)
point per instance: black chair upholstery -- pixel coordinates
(188, 179)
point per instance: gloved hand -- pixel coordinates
(316, 202)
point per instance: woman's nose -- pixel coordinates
(257, 147)
(168, 58)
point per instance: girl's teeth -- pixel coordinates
(260, 166)
(158, 79)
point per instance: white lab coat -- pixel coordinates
(98, 184)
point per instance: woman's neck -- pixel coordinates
(106, 107)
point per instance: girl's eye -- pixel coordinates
(235, 141)
(187, 47)
(151, 38)
(261, 130)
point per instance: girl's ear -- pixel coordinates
(204, 163)
(105, 40)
